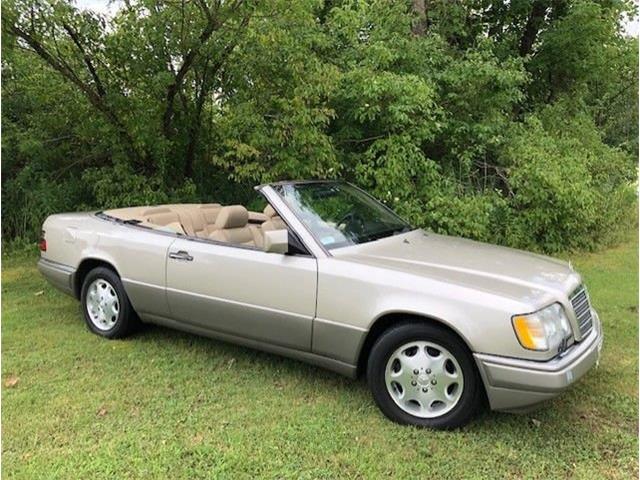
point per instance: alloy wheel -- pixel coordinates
(102, 304)
(424, 379)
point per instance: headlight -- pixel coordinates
(542, 330)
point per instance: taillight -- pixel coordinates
(42, 243)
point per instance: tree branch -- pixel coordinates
(87, 60)
(213, 24)
(172, 90)
(94, 98)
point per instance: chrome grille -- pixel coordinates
(582, 309)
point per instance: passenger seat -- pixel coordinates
(273, 222)
(232, 227)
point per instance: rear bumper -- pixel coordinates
(59, 275)
(513, 384)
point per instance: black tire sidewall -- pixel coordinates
(125, 321)
(403, 333)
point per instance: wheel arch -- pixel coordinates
(85, 266)
(387, 320)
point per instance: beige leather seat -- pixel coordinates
(192, 220)
(269, 211)
(196, 220)
(163, 217)
(273, 222)
(232, 227)
(210, 212)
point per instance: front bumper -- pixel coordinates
(514, 385)
(59, 275)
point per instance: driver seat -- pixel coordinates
(232, 226)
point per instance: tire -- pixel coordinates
(105, 305)
(437, 355)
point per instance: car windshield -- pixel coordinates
(339, 214)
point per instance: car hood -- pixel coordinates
(518, 274)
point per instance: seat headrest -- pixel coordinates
(269, 211)
(233, 216)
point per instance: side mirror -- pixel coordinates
(276, 241)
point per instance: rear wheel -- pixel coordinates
(422, 374)
(106, 307)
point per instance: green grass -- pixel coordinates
(165, 404)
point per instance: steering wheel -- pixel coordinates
(353, 221)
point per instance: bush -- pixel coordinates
(499, 124)
(568, 190)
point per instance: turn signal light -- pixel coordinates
(529, 334)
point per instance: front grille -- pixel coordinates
(582, 309)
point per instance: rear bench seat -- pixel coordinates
(210, 212)
(163, 217)
(196, 220)
(188, 219)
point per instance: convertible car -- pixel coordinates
(326, 274)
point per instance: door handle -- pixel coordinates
(181, 255)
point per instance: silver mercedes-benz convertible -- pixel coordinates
(329, 275)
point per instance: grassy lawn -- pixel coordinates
(165, 404)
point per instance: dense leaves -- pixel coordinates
(512, 122)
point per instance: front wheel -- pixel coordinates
(106, 307)
(422, 374)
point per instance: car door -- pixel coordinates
(243, 291)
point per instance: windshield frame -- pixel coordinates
(276, 187)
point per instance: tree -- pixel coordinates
(429, 104)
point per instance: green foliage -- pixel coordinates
(511, 122)
(569, 189)
(170, 404)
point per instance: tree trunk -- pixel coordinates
(419, 26)
(531, 29)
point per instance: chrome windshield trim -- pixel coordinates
(291, 219)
